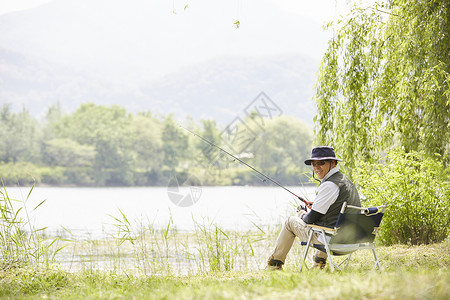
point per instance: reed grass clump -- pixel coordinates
(139, 246)
(21, 244)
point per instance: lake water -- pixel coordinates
(88, 211)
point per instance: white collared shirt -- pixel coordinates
(327, 193)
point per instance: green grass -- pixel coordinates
(410, 272)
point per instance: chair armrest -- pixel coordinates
(326, 229)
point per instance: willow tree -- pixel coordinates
(384, 81)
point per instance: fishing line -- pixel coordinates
(243, 162)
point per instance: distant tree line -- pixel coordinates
(107, 146)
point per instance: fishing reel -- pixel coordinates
(302, 207)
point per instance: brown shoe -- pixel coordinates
(275, 264)
(319, 262)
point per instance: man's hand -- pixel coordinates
(308, 204)
(301, 212)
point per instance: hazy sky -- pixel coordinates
(7, 6)
(318, 10)
(205, 29)
(148, 39)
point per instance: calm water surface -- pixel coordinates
(89, 211)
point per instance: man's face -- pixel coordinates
(322, 167)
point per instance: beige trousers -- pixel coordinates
(294, 226)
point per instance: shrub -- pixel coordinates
(417, 189)
(55, 175)
(20, 173)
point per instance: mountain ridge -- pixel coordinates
(217, 89)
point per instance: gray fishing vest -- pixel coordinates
(347, 193)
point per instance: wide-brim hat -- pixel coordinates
(322, 153)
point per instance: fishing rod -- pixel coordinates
(243, 162)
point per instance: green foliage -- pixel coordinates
(67, 153)
(54, 176)
(384, 81)
(106, 146)
(211, 133)
(147, 144)
(384, 84)
(104, 128)
(19, 136)
(20, 173)
(281, 147)
(175, 143)
(417, 189)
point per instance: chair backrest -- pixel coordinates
(353, 228)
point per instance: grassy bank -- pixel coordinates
(140, 261)
(410, 272)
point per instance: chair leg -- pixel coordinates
(303, 262)
(346, 261)
(327, 248)
(377, 262)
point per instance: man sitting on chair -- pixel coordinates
(334, 189)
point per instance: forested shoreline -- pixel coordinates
(107, 146)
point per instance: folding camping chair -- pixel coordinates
(352, 232)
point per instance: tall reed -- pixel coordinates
(20, 242)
